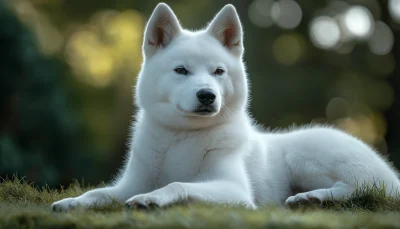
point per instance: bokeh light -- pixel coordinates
(288, 49)
(359, 22)
(338, 108)
(260, 13)
(394, 10)
(369, 128)
(382, 40)
(109, 43)
(287, 14)
(325, 32)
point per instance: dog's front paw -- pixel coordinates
(65, 204)
(80, 201)
(146, 201)
(163, 197)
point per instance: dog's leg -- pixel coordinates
(214, 192)
(128, 185)
(336, 192)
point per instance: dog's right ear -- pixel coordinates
(161, 28)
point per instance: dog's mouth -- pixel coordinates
(204, 110)
(200, 111)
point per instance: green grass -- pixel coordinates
(24, 206)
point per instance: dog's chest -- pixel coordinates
(175, 159)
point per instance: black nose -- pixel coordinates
(206, 96)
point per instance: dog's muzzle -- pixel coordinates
(206, 97)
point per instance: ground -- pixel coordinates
(23, 205)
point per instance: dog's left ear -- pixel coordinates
(226, 27)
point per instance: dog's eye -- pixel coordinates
(181, 70)
(218, 72)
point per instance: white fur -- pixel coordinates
(222, 157)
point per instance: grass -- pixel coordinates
(23, 205)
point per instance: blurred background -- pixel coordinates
(68, 68)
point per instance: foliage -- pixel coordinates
(39, 131)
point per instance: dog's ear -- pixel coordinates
(226, 27)
(161, 28)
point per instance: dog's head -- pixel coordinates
(192, 80)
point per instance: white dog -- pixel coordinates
(194, 139)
